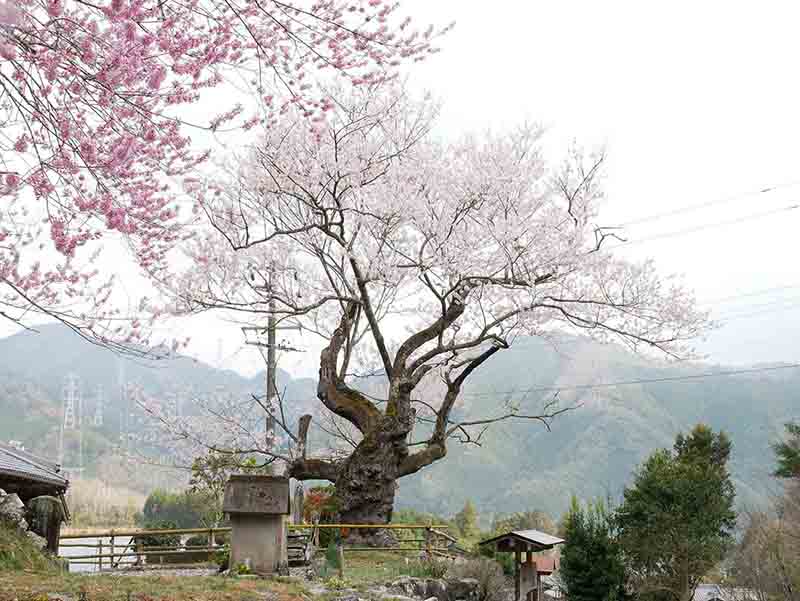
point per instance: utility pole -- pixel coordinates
(99, 407)
(272, 347)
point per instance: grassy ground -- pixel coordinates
(35, 586)
(18, 553)
(374, 567)
(28, 575)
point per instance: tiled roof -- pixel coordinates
(539, 539)
(22, 465)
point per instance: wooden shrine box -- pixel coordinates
(527, 574)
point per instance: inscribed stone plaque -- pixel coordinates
(297, 504)
(256, 494)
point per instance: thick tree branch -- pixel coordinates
(371, 319)
(314, 469)
(331, 389)
(437, 445)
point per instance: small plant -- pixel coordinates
(337, 584)
(222, 557)
(426, 567)
(243, 569)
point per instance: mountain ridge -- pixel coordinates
(590, 451)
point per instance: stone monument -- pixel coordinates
(45, 515)
(258, 506)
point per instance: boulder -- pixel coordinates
(38, 541)
(12, 510)
(463, 588)
(436, 589)
(404, 584)
(422, 588)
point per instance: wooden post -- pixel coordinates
(100, 554)
(539, 588)
(112, 548)
(340, 558)
(517, 583)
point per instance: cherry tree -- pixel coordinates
(423, 257)
(95, 122)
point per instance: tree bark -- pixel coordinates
(367, 482)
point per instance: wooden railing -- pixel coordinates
(108, 553)
(108, 548)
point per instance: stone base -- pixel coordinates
(260, 541)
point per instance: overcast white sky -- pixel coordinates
(695, 101)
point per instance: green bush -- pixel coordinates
(158, 540)
(185, 509)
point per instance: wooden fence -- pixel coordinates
(107, 552)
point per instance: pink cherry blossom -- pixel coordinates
(92, 91)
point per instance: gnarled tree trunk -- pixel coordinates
(365, 488)
(366, 481)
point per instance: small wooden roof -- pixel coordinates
(29, 475)
(524, 540)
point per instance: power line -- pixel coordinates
(690, 377)
(706, 204)
(724, 299)
(706, 226)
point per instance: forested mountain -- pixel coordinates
(593, 450)
(590, 451)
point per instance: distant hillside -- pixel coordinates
(33, 376)
(593, 450)
(590, 451)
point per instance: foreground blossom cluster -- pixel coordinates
(94, 139)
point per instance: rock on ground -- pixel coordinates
(12, 509)
(39, 541)
(453, 589)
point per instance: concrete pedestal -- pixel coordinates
(257, 506)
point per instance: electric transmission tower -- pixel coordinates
(123, 402)
(72, 404)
